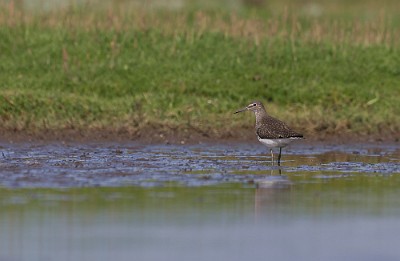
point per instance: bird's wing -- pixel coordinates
(271, 128)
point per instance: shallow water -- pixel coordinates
(210, 201)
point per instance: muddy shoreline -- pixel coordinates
(133, 198)
(177, 136)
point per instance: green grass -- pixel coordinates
(118, 69)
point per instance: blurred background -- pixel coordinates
(326, 67)
(315, 7)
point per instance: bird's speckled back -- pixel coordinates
(268, 127)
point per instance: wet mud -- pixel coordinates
(99, 164)
(102, 201)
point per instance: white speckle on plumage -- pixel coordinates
(270, 131)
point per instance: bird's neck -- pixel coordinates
(260, 114)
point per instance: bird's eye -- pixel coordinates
(254, 105)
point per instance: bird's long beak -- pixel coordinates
(241, 110)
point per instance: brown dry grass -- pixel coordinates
(289, 24)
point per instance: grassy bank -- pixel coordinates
(120, 68)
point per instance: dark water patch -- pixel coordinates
(159, 165)
(204, 202)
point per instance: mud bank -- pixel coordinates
(165, 135)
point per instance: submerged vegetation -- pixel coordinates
(330, 69)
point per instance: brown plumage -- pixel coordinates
(271, 131)
(269, 127)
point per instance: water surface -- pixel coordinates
(209, 201)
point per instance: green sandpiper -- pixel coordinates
(270, 131)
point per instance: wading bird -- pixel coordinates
(270, 131)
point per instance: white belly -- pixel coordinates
(271, 143)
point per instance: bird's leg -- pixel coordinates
(279, 156)
(272, 157)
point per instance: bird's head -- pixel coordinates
(255, 106)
